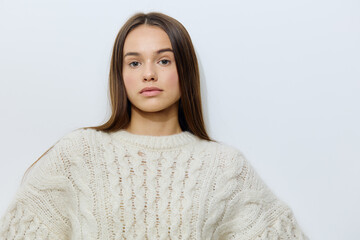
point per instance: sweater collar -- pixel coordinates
(155, 142)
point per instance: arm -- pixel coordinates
(39, 209)
(252, 210)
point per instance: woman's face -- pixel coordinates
(149, 61)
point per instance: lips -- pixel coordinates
(150, 89)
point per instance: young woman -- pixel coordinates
(151, 171)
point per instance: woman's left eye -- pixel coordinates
(164, 62)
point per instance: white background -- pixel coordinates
(280, 81)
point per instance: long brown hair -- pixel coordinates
(190, 109)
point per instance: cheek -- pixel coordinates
(130, 83)
(173, 80)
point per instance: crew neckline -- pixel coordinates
(155, 142)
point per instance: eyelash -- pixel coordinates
(167, 63)
(131, 64)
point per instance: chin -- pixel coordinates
(153, 109)
(150, 109)
(156, 106)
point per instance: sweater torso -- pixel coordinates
(97, 185)
(139, 186)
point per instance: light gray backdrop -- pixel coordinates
(280, 81)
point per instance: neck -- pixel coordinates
(160, 123)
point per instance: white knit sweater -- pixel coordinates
(96, 185)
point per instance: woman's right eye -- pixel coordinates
(134, 64)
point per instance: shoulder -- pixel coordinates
(226, 155)
(78, 135)
(81, 137)
(69, 146)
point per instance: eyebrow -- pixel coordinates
(157, 52)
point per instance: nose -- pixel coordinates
(150, 73)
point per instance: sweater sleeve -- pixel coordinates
(252, 211)
(39, 209)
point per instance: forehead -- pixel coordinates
(145, 38)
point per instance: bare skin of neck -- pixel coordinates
(162, 123)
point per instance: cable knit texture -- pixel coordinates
(97, 185)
